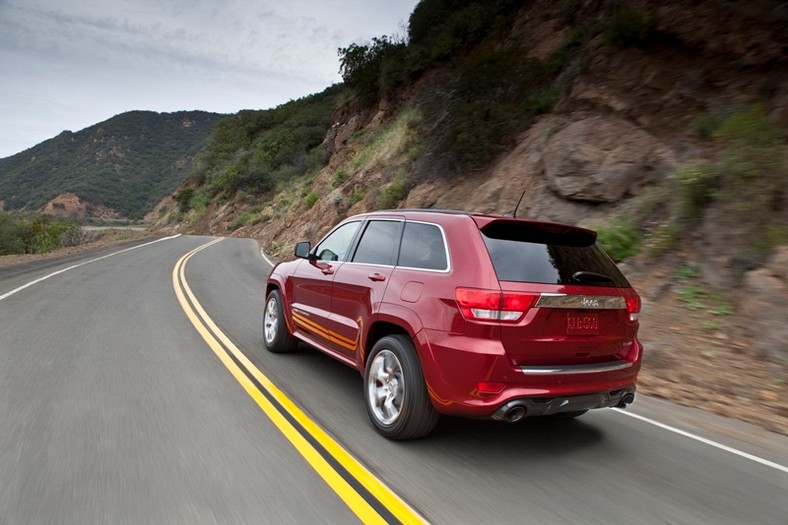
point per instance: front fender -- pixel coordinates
(279, 278)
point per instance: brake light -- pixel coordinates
(633, 306)
(494, 305)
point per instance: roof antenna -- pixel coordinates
(514, 213)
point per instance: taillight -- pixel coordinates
(494, 305)
(633, 306)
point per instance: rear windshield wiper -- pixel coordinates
(590, 277)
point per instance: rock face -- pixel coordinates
(765, 306)
(69, 205)
(600, 159)
(160, 210)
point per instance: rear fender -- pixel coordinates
(396, 315)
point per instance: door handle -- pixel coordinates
(377, 277)
(327, 271)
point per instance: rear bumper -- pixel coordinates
(454, 366)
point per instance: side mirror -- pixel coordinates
(302, 249)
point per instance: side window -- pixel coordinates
(336, 245)
(423, 247)
(379, 243)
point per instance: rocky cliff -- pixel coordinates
(627, 118)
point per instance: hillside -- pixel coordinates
(118, 168)
(660, 124)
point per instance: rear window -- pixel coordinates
(522, 254)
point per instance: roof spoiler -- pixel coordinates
(537, 232)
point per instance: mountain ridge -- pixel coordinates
(126, 163)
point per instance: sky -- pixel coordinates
(69, 64)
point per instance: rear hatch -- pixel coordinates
(581, 308)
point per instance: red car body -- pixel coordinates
(508, 318)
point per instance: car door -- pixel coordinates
(312, 283)
(359, 285)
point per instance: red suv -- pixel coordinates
(464, 314)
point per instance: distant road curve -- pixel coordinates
(103, 228)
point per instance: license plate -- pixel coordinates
(582, 324)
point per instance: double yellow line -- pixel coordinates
(364, 494)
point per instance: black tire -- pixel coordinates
(568, 415)
(276, 337)
(394, 390)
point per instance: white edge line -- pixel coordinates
(63, 270)
(720, 446)
(269, 261)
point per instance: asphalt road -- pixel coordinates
(113, 409)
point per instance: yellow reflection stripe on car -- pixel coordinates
(438, 399)
(344, 341)
(325, 332)
(309, 325)
(364, 494)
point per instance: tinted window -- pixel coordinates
(518, 260)
(336, 245)
(423, 247)
(379, 243)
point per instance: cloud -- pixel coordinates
(100, 58)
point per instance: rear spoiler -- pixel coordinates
(535, 232)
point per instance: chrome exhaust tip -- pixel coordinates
(515, 414)
(627, 400)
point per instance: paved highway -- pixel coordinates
(134, 389)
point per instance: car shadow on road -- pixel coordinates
(539, 436)
(542, 433)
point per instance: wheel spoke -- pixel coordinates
(388, 407)
(379, 372)
(380, 395)
(381, 376)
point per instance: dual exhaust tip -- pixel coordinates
(517, 410)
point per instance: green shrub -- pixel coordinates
(692, 296)
(339, 178)
(200, 200)
(311, 199)
(773, 235)
(257, 151)
(697, 183)
(73, 235)
(619, 240)
(356, 196)
(361, 66)
(36, 234)
(243, 219)
(392, 194)
(14, 234)
(687, 272)
(183, 197)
